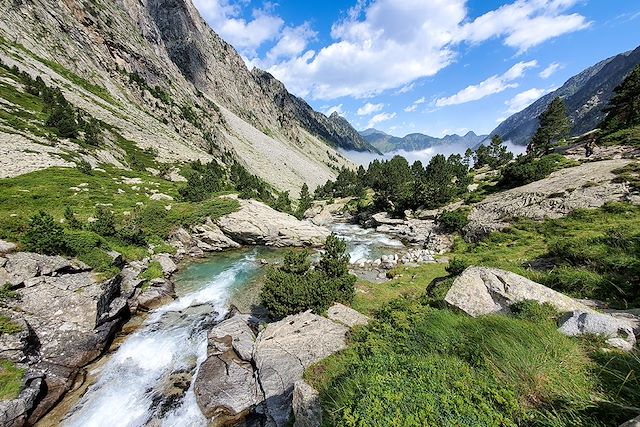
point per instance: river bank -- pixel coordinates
(206, 288)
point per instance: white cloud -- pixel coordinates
(369, 108)
(406, 88)
(548, 72)
(245, 35)
(492, 85)
(293, 41)
(524, 99)
(378, 118)
(386, 44)
(335, 109)
(524, 23)
(382, 44)
(415, 104)
(389, 44)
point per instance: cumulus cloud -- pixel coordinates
(388, 44)
(490, 86)
(549, 71)
(245, 35)
(292, 42)
(524, 23)
(369, 108)
(382, 44)
(378, 118)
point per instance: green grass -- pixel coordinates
(629, 173)
(407, 281)
(10, 380)
(154, 271)
(630, 136)
(7, 326)
(50, 190)
(416, 365)
(593, 253)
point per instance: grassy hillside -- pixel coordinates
(419, 363)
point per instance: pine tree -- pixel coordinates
(624, 108)
(305, 201)
(554, 127)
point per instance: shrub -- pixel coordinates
(70, 218)
(84, 167)
(528, 169)
(92, 132)
(295, 287)
(44, 235)
(154, 271)
(105, 223)
(453, 221)
(456, 266)
(82, 241)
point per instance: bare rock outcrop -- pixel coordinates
(258, 224)
(586, 186)
(481, 290)
(66, 318)
(249, 374)
(618, 332)
(307, 411)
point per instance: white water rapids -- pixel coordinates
(123, 394)
(173, 339)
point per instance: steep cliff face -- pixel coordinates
(158, 75)
(585, 95)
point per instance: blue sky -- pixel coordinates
(430, 66)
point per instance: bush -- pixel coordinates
(70, 218)
(456, 266)
(105, 223)
(84, 167)
(453, 221)
(44, 235)
(528, 169)
(295, 287)
(92, 132)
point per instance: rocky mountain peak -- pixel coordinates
(154, 71)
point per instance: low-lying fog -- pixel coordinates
(364, 158)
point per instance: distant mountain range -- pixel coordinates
(585, 96)
(416, 141)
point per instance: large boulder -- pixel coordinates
(6, 247)
(481, 290)
(346, 315)
(166, 263)
(257, 224)
(67, 318)
(307, 411)
(247, 376)
(282, 352)
(618, 332)
(586, 186)
(226, 388)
